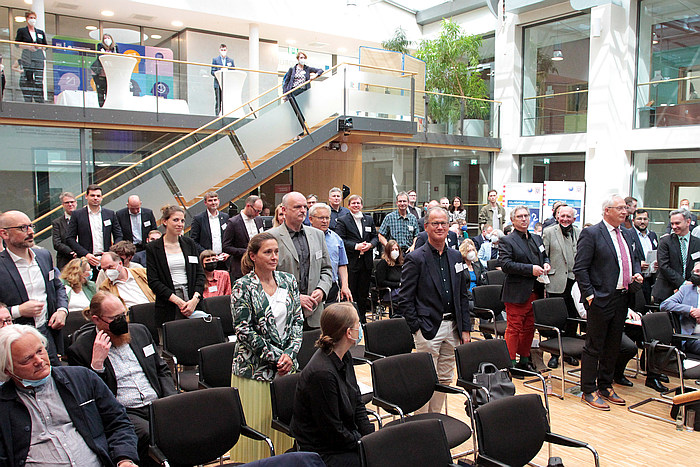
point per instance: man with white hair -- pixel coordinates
(320, 216)
(57, 415)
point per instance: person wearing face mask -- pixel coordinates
(88, 426)
(217, 282)
(79, 288)
(216, 64)
(130, 285)
(489, 249)
(32, 80)
(124, 356)
(294, 78)
(329, 416)
(98, 73)
(685, 304)
(388, 270)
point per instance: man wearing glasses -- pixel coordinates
(434, 300)
(5, 316)
(31, 287)
(59, 230)
(239, 230)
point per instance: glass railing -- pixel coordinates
(667, 102)
(459, 115)
(215, 154)
(556, 112)
(71, 78)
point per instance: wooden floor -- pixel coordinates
(621, 438)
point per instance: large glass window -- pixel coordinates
(538, 168)
(386, 170)
(555, 76)
(668, 68)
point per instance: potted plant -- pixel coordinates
(399, 42)
(451, 63)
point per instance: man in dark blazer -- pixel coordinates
(32, 80)
(59, 231)
(238, 232)
(94, 348)
(524, 260)
(31, 287)
(685, 205)
(452, 240)
(360, 238)
(216, 64)
(481, 238)
(674, 267)
(201, 231)
(608, 276)
(80, 228)
(645, 240)
(434, 300)
(134, 215)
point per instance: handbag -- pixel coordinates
(496, 383)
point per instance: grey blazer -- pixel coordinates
(320, 270)
(561, 256)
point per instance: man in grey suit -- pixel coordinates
(560, 245)
(64, 253)
(685, 304)
(303, 253)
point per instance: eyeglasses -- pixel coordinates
(5, 322)
(327, 218)
(24, 228)
(618, 208)
(120, 315)
(438, 224)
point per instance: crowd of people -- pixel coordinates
(312, 270)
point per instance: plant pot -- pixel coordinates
(472, 127)
(437, 128)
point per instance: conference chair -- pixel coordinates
(492, 264)
(376, 294)
(387, 337)
(198, 427)
(282, 394)
(145, 314)
(74, 321)
(308, 347)
(511, 431)
(221, 307)
(488, 305)
(215, 364)
(495, 277)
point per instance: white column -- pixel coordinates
(38, 7)
(253, 61)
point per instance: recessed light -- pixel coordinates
(291, 41)
(177, 23)
(156, 36)
(107, 13)
(91, 28)
(20, 19)
(28, 2)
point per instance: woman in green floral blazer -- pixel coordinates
(268, 322)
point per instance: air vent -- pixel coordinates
(67, 6)
(317, 44)
(143, 17)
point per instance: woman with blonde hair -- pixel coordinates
(278, 219)
(79, 288)
(268, 322)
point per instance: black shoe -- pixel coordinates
(654, 384)
(663, 378)
(526, 366)
(553, 362)
(571, 361)
(623, 381)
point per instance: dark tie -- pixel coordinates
(684, 253)
(625, 259)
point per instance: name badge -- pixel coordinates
(499, 215)
(542, 248)
(52, 275)
(695, 255)
(653, 242)
(39, 36)
(223, 226)
(368, 229)
(319, 254)
(410, 228)
(192, 259)
(459, 267)
(147, 224)
(261, 230)
(212, 289)
(107, 223)
(148, 350)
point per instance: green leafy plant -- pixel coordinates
(451, 62)
(399, 42)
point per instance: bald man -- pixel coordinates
(136, 222)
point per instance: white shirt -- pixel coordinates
(496, 222)
(645, 241)
(278, 306)
(136, 226)
(78, 300)
(33, 280)
(96, 229)
(613, 236)
(129, 291)
(249, 225)
(358, 223)
(178, 271)
(215, 228)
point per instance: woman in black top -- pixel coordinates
(388, 270)
(329, 416)
(107, 45)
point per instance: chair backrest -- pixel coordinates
(496, 277)
(307, 349)
(387, 337)
(657, 326)
(551, 312)
(374, 271)
(196, 427)
(282, 393)
(221, 308)
(89, 326)
(492, 264)
(74, 321)
(215, 363)
(406, 380)
(512, 430)
(145, 314)
(290, 459)
(184, 337)
(470, 355)
(416, 444)
(488, 296)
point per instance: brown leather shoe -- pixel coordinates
(610, 396)
(594, 401)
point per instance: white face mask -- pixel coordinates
(112, 274)
(108, 42)
(394, 255)
(31, 22)
(222, 52)
(685, 207)
(471, 256)
(302, 61)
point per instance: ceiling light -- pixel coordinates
(177, 24)
(91, 28)
(20, 19)
(557, 56)
(28, 2)
(291, 41)
(655, 39)
(107, 13)
(156, 36)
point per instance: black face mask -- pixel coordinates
(695, 279)
(210, 266)
(119, 326)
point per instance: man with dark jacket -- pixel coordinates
(135, 222)
(86, 426)
(59, 231)
(239, 230)
(208, 227)
(125, 357)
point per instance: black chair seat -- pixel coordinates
(367, 398)
(189, 380)
(572, 346)
(693, 373)
(489, 328)
(456, 431)
(358, 351)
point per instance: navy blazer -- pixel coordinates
(516, 261)
(32, 58)
(419, 299)
(596, 267)
(671, 274)
(59, 230)
(148, 223)
(100, 420)
(288, 80)
(346, 228)
(79, 236)
(452, 240)
(638, 249)
(235, 242)
(218, 62)
(201, 231)
(478, 240)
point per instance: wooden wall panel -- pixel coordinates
(324, 169)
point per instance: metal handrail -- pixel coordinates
(555, 94)
(669, 80)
